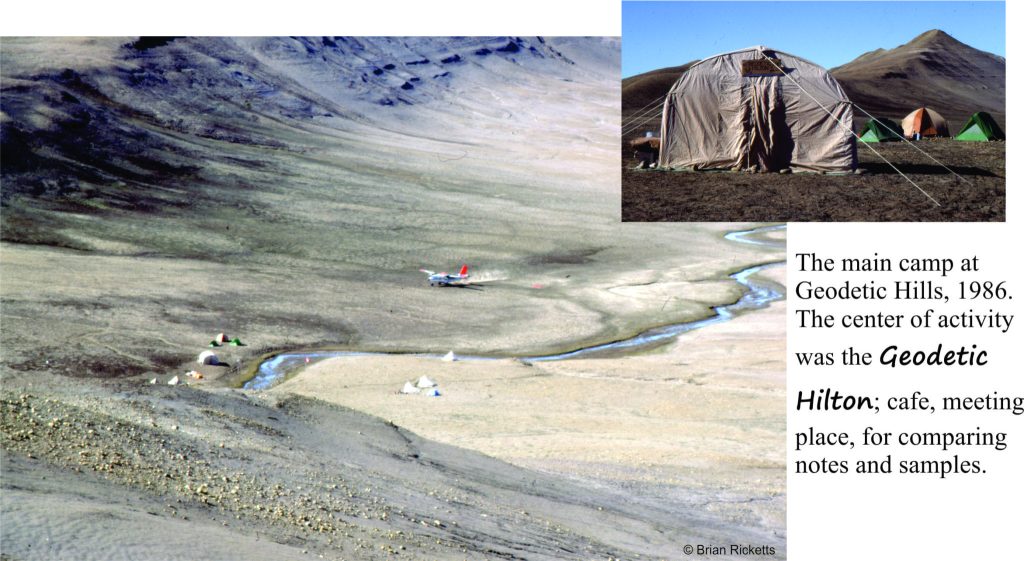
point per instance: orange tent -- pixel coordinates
(926, 122)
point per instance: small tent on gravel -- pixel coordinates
(757, 109)
(981, 127)
(880, 130)
(408, 388)
(926, 122)
(207, 357)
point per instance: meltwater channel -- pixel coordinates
(758, 295)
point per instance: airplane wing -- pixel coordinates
(426, 271)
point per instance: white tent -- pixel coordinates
(450, 357)
(207, 357)
(409, 388)
(757, 110)
(425, 382)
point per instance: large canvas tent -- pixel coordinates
(981, 127)
(880, 130)
(926, 122)
(757, 109)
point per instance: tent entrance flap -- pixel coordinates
(925, 125)
(771, 143)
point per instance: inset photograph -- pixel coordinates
(813, 111)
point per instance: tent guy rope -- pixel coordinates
(631, 119)
(641, 122)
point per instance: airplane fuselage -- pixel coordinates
(445, 279)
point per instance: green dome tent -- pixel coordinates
(981, 127)
(880, 130)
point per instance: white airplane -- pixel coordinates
(447, 279)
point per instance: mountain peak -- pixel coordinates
(934, 37)
(934, 70)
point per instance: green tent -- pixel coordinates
(880, 130)
(981, 127)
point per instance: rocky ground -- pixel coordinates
(102, 471)
(879, 195)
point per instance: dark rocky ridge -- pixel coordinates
(165, 124)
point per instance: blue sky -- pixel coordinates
(660, 34)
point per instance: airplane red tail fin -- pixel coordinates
(463, 271)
